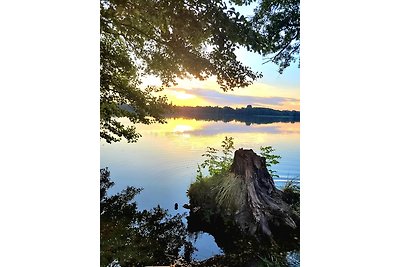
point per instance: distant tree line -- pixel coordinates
(247, 114)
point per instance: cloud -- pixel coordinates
(226, 99)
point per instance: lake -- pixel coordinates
(165, 159)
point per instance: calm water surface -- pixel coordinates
(164, 160)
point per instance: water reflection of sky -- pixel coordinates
(235, 127)
(165, 159)
(167, 155)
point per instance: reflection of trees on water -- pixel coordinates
(135, 238)
(248, 120)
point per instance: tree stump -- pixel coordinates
(264, 213)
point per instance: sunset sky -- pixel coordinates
(273, 90)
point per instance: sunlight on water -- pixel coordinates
(165, 159)
(182, 128)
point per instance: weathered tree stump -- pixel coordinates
(264, 212)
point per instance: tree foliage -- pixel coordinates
(215, 164)
(270, 159)
(279, 23)
(129, 237)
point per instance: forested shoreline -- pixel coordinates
(248, 114)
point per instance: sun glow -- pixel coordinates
(183, 95)
(182, 128)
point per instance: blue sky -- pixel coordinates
(290, 76)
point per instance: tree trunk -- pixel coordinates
(264, 212)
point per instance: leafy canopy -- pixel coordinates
(279, 23)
